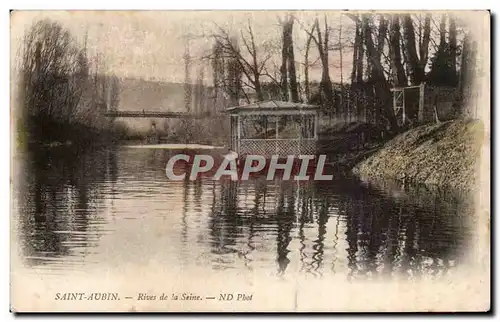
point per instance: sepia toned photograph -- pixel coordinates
(250, 161)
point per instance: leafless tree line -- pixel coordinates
(62, 97)
(388, 50)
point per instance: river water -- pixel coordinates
(112, 207)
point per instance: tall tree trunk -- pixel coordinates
(199, 94)
(306, 67)
(234, 79)
(258, 87)
(284, 58)
(187, 79)
(294, 93)
(465, 63)
(453, 46)
(326, 83)
(424, 45)
(416, 74)
(342, 91)
(255, 69)
(381, 87)
(218, 74)
(375, 77)
(397, 70)
(360, 59)
(442, 31)
(382, 33)
(355, 52)
(465, 71)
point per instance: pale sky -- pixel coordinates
(151, 44)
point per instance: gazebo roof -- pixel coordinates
(272, 105)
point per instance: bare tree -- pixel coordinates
(187, 79)
(62, 99)
(199, 92)
(416, 73)
(340, 47)
(443, 69)
(425, 39)
(291, 62)
(442, 31)
(307, 64)
(284, 59)
(226, 73)
(380, 83)
(397, 70)
(453, 45)
(288, 82)
(251, 63)
(218, 74)
(322, 44)
(186, 125)
(54, 72)
(358, 52)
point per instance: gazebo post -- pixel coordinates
(239, 133)
(276, 136)
(301, 115)
(316, 120)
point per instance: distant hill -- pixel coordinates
(138, 94)
(154, 95)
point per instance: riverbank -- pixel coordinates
(444, 154)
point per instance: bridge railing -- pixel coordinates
(158, 114)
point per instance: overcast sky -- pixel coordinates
(151, 44)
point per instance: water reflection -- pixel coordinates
(58, 198)
(110, 207)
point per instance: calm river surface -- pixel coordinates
(111, 207)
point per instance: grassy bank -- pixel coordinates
(444, 154)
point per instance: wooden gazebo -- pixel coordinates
(274, 128)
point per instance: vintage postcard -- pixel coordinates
(250, 161)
